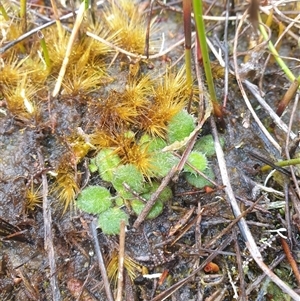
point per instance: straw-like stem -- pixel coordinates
(200, 27)
(3, 12)
(273, 50)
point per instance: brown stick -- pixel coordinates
(290, 258)
(242, 296)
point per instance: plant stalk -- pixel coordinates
(45, 50)
(3, 12)
(200, 27)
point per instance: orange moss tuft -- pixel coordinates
(65, 186)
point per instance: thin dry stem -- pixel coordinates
(168, 292)
(243, 296)
(48, 235)
(254, 115)
(100, 259)
(272, 114)
(290, 259)
(57, 21)
(287, 142)
(118, 49)
(121, 261)
(74, 33)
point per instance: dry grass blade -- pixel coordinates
(130, 54)
(101, 263)
(273, 115)
(254, 115)
(48, 236)
(74, 33)
(121, 262)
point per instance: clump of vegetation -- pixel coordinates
(134, 167)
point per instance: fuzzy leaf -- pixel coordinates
(180, 126)
(92, 166)
(164, 196)
(156, 144)
(156, 210)
(198, 181)
(130, 175)
(197, 160)
(109, 221)
(94, 199)
(206, 145)
(107, 160)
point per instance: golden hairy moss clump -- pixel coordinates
(65, 185)
(124, 19)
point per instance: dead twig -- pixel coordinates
(121, 261)
(245, 97)
(287, 143)
(255, 284)
(277, 120)
(48, 235)
(290, 258)
(74, 33)
(101, 263)
(133, 55)
(242, 296)
(168, 292)
(230, 226)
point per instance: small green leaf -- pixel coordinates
(119, 201)
(109, 220)
(92, 166)
(137, 206)
(107, 160)
(156, 144)
(197, 160)
(198, 181)
(164, 196)
(130, 175)
(94, 199)
(206, 145)
(163, 163)
(180, 126)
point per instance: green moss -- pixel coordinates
(206, 145)
(198, 181)
(130, 175)
(156, 144)
(164, 196)
(94, 199)
(180, 126)
(197, 160)
(107, 161)
(109, 220)
(162, 163)
(156, 210)
(92, 166)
